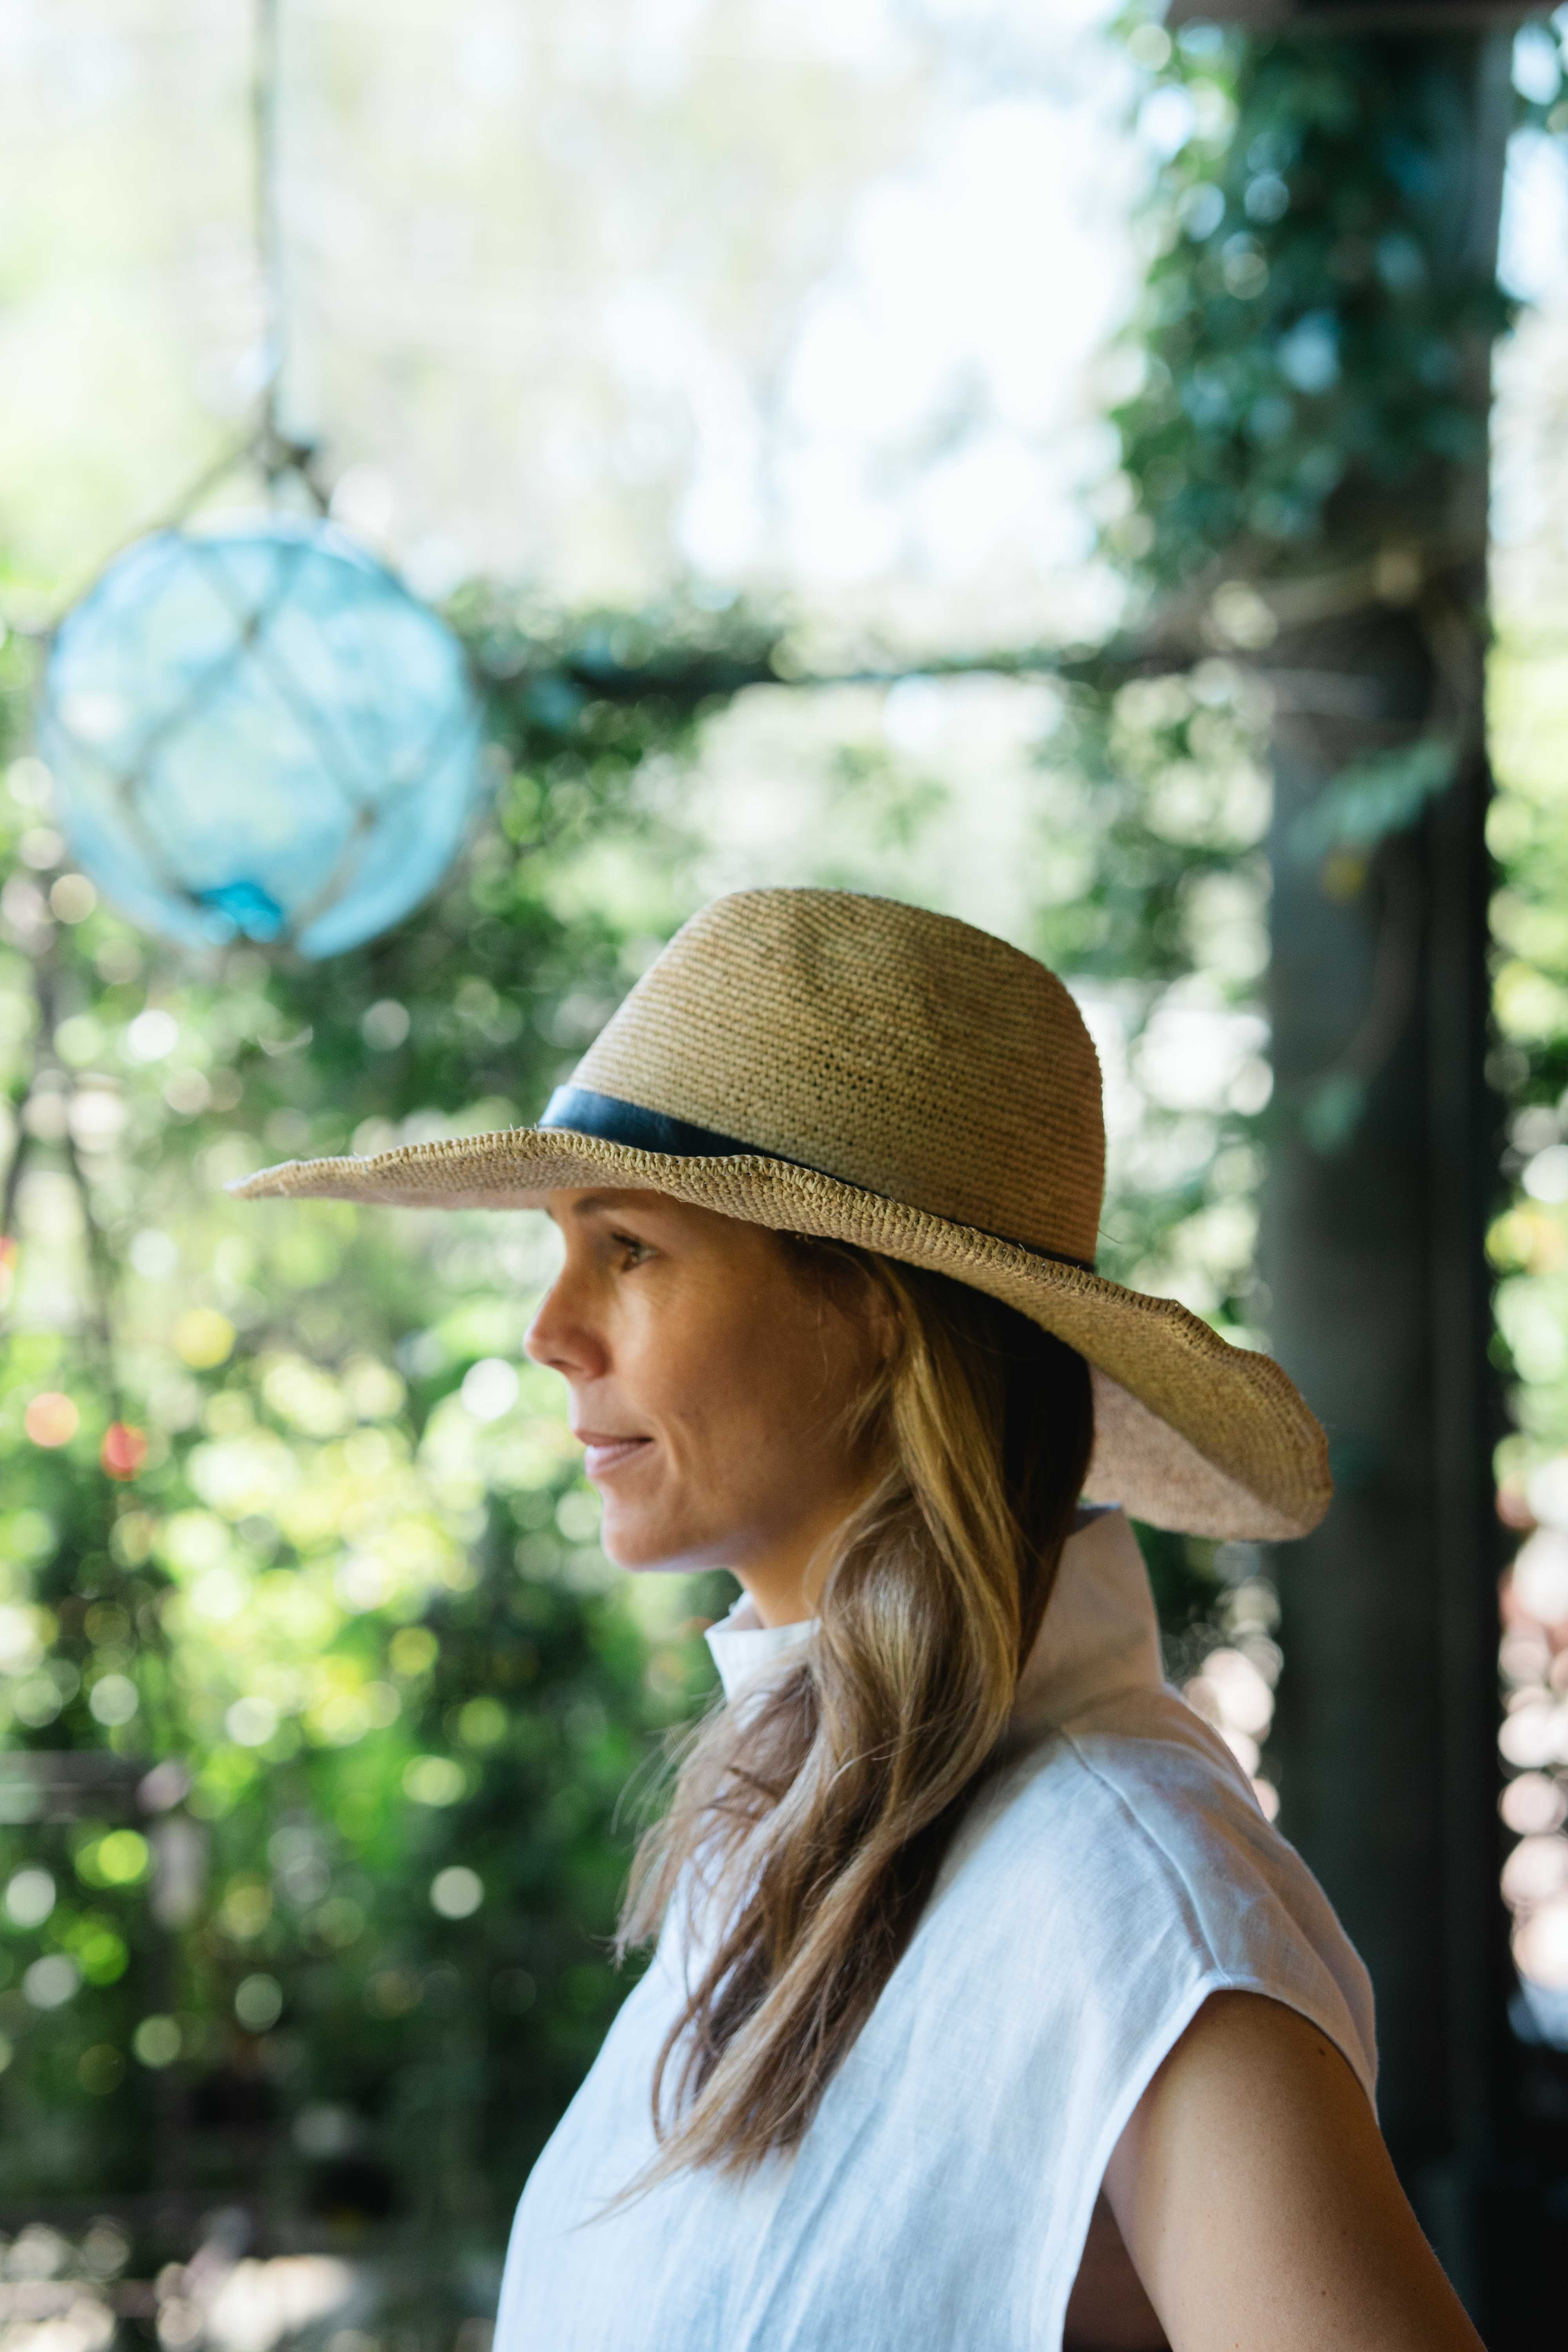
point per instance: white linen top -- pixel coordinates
(1115, 1874)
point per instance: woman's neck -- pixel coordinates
(778, 1599)
(784, 1580)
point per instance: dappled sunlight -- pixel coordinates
(1527, 1241)
(1233, 1687)
(733, 375)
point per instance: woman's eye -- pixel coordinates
(631, 1249)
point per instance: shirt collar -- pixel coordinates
(745, 1651)
(1100, 1636)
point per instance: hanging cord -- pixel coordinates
(269, 244)
(277, 451)
(274, 452)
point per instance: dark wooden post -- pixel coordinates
(1373, 1253)
(1382, 1172)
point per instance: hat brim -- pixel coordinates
(1191, 1434)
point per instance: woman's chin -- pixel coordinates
(632, 1544)
(626, 1544)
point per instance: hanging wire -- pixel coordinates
(264, 169)
(277, 451)
(126, 775)
(276, 454)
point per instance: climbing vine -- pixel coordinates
(1317, 299)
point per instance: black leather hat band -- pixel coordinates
(580, 1111)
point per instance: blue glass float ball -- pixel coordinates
(257, 731)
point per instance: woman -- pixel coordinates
(986, 2009)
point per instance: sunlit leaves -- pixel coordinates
(336, 1591)
(433, 1781)
(100, 1952)
(360, 1603)
(117, 1858)
(1309, 331)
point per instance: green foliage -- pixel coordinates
(349, 1953)
(346, 1948)
(351, 1596)
(357, 1921)
(1176, 798)
(1376, 797)
(1303, 442)
(1528, 1243)
(1314, 313)
(1167, 916)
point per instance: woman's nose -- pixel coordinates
(561, 1337)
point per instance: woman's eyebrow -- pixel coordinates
(601, 1204)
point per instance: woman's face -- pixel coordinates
(710, 1382)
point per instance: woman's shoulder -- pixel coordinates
(1130, 1844)
(1140, 1756)
(1153, 1758)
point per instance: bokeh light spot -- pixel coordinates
(433, 1781)
(51, 1419)
(100, 2070)
(491, 1388)
(29, 1897)
(124, 1449)
(251, 1721)
(119, 1859)
(112, 1700)
(456, 1891)
(50, 1982)
(258, 2004)
(203, 1338)
(156, 2041)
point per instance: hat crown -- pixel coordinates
(896, 1049)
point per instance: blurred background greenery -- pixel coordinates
(737, 381)
(319, 1721)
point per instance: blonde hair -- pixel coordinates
(807, 1826)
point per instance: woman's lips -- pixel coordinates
(606, 1453)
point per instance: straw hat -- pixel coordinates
(839, 1065)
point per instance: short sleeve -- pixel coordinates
(1123, 1877)
(1258, 1919)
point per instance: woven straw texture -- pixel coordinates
(919, 1088)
